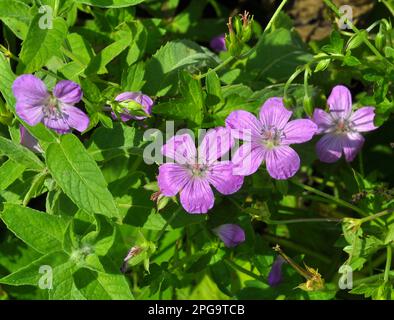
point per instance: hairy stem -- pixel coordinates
(331, 198)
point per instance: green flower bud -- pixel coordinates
(308, 105)
(380, 39)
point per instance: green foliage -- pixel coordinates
(85, 219)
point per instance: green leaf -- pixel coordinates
(20, 154)
(9, 172)
(102, 286)
(277, 56)
(29, 275)
(161, 69)
(98, 62)
(133, 77)
(190, 107)
(7, 77)
(110, 3)
(41, 44)
(40, 230)
(79, 176)
(214, 98)
(107, 143)
(16, 15)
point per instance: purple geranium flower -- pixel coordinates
(28, 141)
(195, 170)
(218, 43)
(231, 234)
(342, 126)
(275, 275)
(139, 97)
(268, 139)
(35, 104)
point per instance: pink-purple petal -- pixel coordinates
(218, 43)
(57, 123)
(282, 162)
(244, 125)
(322, 119)
(30, 90)
(222, 178)
(172, 178)
(197, 196)
(352, 144)
(362, 119)
(247, 159)
(31, 114)
(273, 114)
(215, 144)
(68, 92)
(28, 141)
(180, 148)
(231, 234)
(340, 102)
(299, 131)
(138, 97)
(275, 276)
(329, 148)
(75, 118)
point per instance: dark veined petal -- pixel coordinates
(222, 178)
(180, 148)
(31, 114)
(197, 196)
(322, 119)
(282, 162)
(75, 118)
(215, 144)
(248, 158)
(340, 102)
(68, 92)
(352, 144)
(244, 125)
(329, 148)
(299, 131)
(30, 90)
(273, 114)
(172, 178)
(362, 120)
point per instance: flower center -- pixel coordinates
(198, 170)
(52, 108)
(342, 126)
(271, 137)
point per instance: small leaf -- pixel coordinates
(40, 230)
(80, 177)
(20, 154)
(41, 44)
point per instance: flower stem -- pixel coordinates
(289, 244)
(302, 220)
(236, 266)
(163, 230)
(368, 43)
(388, 263)
(331, 198)
(376, 216)
(248, 53)
(388, 5)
